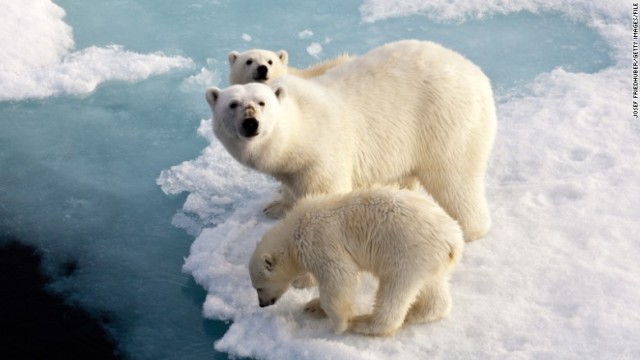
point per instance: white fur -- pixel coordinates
(400, 236)
(408, 109)
(243, 67)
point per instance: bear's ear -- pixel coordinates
(269, 262)
(212, 95)
(283, 56)
(233, 56)
(280, 91)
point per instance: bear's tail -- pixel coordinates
(455, 246)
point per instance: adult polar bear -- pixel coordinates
(405, 109)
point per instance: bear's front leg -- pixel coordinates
(337, 292)
(305, 281)
(339, 316)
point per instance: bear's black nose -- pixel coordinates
(250, 127)
(262, 71)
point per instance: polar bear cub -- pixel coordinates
(400, 236)
(408, 109)
(259, 65)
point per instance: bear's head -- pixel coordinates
(245, 112)
(256, 66)
(271, 267)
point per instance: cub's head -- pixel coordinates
(245, 112)
(270, 270)
(256, 66)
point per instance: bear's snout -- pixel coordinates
(250, 127)
(264, 303)
(261, 72)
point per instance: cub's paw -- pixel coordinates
(340, 326)
(360, 324)
(305, 281)
(365, 324)
(276, 209)
(314, 308)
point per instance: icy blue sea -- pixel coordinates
(107, 159)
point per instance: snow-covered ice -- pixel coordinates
(557, 277)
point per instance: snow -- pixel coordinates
(557, 277)
(208, 76)
(107, 158)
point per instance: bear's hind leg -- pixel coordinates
(432, 303)
(465, 201)
(393, 300)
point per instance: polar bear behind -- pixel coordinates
(400, 236)
(259, 65)
(408, 109)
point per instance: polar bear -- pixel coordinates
(402, 237)
(259, 65)
(408, 109)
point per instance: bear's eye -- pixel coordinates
(270, 62)
(249, 62)
(233, 105)
(261, 103)
(259, 290)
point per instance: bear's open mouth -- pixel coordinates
(266, 303)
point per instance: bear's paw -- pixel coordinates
(276, 209)
(314, 308)
(367, 325)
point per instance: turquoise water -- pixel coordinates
(78, 171)
(510, 48)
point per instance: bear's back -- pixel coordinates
(392, 101)
(378, 226)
